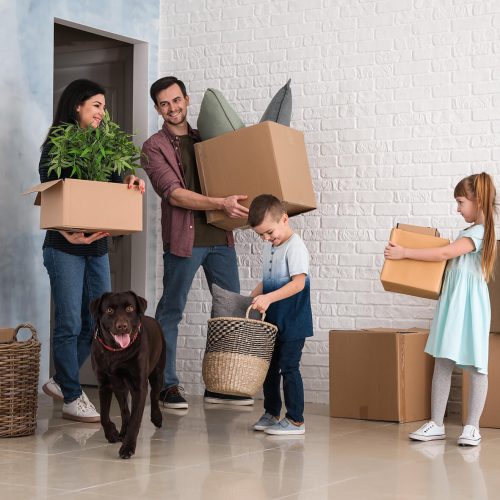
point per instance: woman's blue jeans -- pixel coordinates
(220, 267)
(74, 281)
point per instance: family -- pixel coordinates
(78, 268)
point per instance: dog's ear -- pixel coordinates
(142, 303)
(95, 305)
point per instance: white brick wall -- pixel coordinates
(398, 100)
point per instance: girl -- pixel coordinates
(460, 329)
(77, 265)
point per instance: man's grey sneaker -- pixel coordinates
(226, 399)
(53, 389)
(267, 420)
(171, 397)
(80, 410)
(428, 432)
(470, 436)
(285, 427)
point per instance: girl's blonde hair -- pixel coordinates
(480, 188)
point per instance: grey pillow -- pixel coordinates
(216, 116)
(280, 107)
(230, 304)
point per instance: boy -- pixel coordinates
(284, 294)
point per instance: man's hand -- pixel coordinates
(133, 180)
(233, 208)
(394, 252)
(261, 303)
(81, 239)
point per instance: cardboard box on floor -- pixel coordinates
(413, 277)
(88, 206)
(491, 413)
(267, 158)
(494, 288)
(380, 374)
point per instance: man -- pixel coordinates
(188, 241)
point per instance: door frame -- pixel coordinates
(140, 123)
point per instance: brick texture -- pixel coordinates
(398, 100)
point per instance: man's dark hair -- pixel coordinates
(165, 83)
(261, 206)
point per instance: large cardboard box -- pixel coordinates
(494, 288)
(89, 206)
(265, 158)
(414, 277)
(380, 374)
(491, 412)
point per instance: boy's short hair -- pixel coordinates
(165, 83)
(261, 206)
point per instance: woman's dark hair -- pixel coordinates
(165, 83)
(76, 93)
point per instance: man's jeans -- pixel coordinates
(285, 363)
(74, 281)
(220, 267)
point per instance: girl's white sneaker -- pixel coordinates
(428, 432)
(470, 436)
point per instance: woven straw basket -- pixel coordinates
(238, 354)
(19, 367)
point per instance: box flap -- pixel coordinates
(39, 188)
(431, 231)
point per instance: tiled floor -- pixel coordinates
(210, 452)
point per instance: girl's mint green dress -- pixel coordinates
(461, 325)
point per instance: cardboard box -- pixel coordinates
(89, 206)
(265, 158)
(380, 374)
(414, 277)
(6, 335)
(494, 288)
(491, 412)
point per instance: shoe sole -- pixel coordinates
(175, 406)
(285, 433)
(415, 437)
(231, 402)
(75, 418)
(468, 442)
(261, 427)
(51, 394)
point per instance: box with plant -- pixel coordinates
(83, 200)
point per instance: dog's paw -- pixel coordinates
(156, 418)
(112, 435)
(126, 451)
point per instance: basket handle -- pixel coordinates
(262, 318)
(26, 325)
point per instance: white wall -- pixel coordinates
(398, 100)
(26, 52)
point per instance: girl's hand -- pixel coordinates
(394, 252)
(261, 303)
(81, 239)
(132, 180)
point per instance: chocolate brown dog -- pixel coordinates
(128, 349)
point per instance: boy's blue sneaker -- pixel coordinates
(267, 420)
(285, 427)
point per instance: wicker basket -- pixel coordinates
(19, 368)
(238, 354)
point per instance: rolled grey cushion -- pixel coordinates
(216, 116)
(280, 107)
(230, 304)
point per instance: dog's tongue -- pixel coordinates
(123, 339)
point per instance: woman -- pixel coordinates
(77, 264)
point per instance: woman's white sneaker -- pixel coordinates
(470, 436)
(81, 410)
(428, 432)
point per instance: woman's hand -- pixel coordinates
(261, 303)
(81, 239)
(133, 180)
(394, 252)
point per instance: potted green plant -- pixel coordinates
(92, 153)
